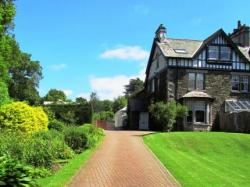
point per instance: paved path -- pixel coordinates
(123, 160)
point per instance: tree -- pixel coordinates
(81, 100)
(93, 101)
(55, 95)
(165, 114)
(134, 86)
(4, 95)
(7, 14)
(119, 103)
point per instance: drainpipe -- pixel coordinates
(176, 79)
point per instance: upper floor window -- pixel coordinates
(225, 53)
(240, 83)
(213, 52)
(196, 81)
(222, 53)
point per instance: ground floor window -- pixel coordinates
(198, 112)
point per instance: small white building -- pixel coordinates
(120, 118)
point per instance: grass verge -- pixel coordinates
(65, 174)
(204, 158)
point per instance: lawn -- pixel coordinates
(204, 158)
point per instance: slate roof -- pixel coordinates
(245, 51)
(193, 47)
(197, 94)
(169, 46)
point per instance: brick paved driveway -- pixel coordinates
(123, 160)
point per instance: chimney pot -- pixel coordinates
(239, 24)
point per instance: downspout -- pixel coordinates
(176, 79)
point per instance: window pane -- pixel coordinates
(213, 52)
(200, 81)
(200, 116)
(191, 81)
(190, 116)
(225, 53)
(244, 84)
(235, 82)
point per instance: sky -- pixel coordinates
(98, 46)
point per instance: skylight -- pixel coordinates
(183, 51)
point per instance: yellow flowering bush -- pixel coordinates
(20, 116)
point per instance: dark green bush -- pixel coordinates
(13, 173)
(93, 134)
(44, 147)
(76, 138)
(104, 115)
(56, 125)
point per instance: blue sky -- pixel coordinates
(86, 46)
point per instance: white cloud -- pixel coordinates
(58, 67)
(126, 53)
(68, 92)
(112, 87)
(141, 9)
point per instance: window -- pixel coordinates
(190, 116)
(191, 81)
(244, 83)
(240, 83)
(213, 52)
(200, 116)
(235, 81)
(222, 53)
(183, 51)
(196, 81)
(225, 53)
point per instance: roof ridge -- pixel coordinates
(185, 39)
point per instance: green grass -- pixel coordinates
(204, 158)
(65, 174)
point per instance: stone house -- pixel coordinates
(208, 76)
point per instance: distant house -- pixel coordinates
(208, 76)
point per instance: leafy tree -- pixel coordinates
(165, 114)
(7, 14)
(55, 95)
(104, 105)
(81, 100)
(4, 96)
(119, 103)
(133, 87)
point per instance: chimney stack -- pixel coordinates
(160, 33)
(241, 35)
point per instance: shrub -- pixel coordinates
(12, 143)
(56, 125)
(165, 114)
(104, 115)
(76, 138)
(93, 134)
(13, 173)
(20, 116)
(44, 147)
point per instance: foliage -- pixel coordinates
(55, 95)
(4, 95)
(104, 115)
(93, 101)
(165, 114)
(93, 133)
(71, 113)
(134, 86)
(75, 138)
(119, 103)
(7, 14)
(20, 116)
(81, 100)
(198, 158)
(13, 173)
(44, 147)
(56, 125)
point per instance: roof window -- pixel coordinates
(182, 51)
